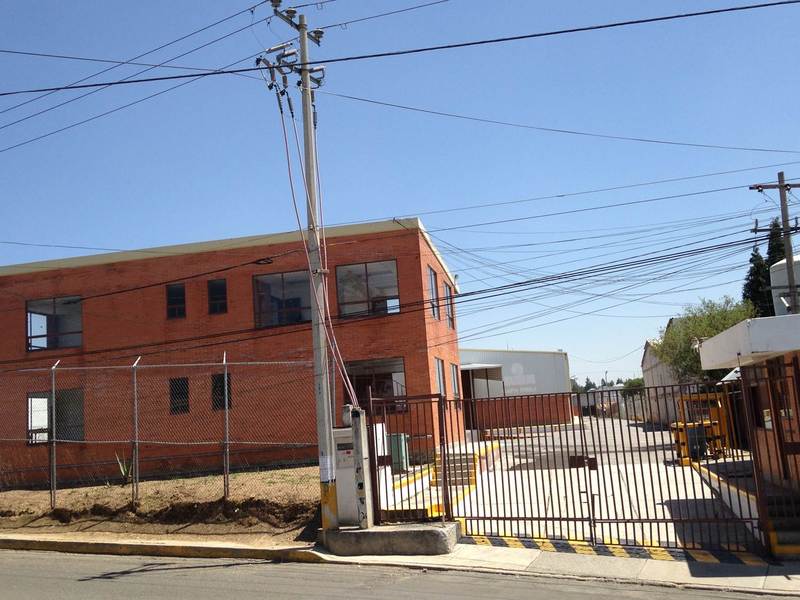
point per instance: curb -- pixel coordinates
(299, 555)
(163, 550)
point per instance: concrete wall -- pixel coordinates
(525, 372)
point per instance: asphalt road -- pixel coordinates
(34, 575)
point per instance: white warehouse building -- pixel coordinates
(492, 373)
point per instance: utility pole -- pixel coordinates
(783, 188)
(322, 392)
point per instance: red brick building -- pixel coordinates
(390, 295)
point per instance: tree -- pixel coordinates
(775, 250)
(676, 346)
(630, 386)
(619, 381)
(589, 385)
(576, 387)
(756, 286)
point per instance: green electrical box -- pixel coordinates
(398, 447)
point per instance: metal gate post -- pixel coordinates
(226, 447)
(135, 448)
(447, 515)
(52, 426)
(761, 501)
(373, 459)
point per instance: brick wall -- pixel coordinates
(119, 327)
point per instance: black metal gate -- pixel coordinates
(665, 467)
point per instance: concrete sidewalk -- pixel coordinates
(762, 578)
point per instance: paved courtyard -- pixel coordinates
(639, 494)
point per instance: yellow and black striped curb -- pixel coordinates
(619, 550)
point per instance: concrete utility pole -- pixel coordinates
(322, 393)
(782, 188)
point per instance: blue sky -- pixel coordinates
(205, 161)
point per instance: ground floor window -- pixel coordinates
(218, 391)
(386, 377)
(68, 416)
(482, 383)
(179, 395)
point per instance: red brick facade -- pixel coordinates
(124, 316)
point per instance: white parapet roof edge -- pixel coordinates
(412, 223)
(750, 342)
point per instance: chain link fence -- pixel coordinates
(109, 438)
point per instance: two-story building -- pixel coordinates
(391, 300)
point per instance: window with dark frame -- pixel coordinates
(179, 395)
(218, 391)
(448, 306)
(54, 323)
(385, 377)
(176, 301)
(282, 299)
(38, 418)
(455, 376)
(440, 380)
(434, 292)
(367, 289)
(217, 296)
(69, 416)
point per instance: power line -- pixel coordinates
(592, 208)
(194, 78)
(386, 14)
(133, 63)
(128, 79)
(425, 49)
(137, 57)
(424, 304)
(553, 129)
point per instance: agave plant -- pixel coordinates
(124, 468)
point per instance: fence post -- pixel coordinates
(52, 427)
(226, 453)
(135, 449)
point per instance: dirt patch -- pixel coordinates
(279, 506)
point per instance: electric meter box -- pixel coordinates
(345, 476)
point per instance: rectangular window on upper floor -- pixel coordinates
(433, 290)
(282, 299)
(368, 289)
(217, 296)
(448, 306)
(176, 301)
(54, 323)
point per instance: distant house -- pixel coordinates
(655, 372)
(659, 405)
